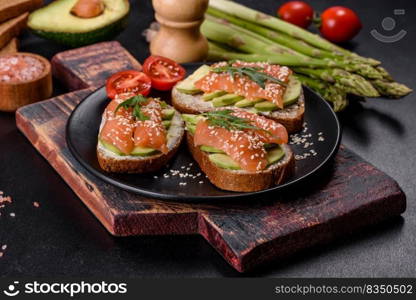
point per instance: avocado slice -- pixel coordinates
(167, 123)
(210, 149)
(247, 103)
(224, 161)
(293, 91)
(142, 151)
(137, 151)
(56, 22)
(225, 100)
(266, 106)
(192, 119)
(274, 155)
(210, 96)
(187, 86)
(111, 147)
(167, 114)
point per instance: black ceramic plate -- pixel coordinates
(313, 147)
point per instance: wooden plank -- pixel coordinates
(351, 194)
(12, 28)
(90, 66)
(11, 47)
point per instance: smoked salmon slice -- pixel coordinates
(122, 130)
(243, 86)
(119, 127)
(246, 147)
(151, 133)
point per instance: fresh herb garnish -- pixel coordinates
(224, 119)
(136, 102)
(253, 73)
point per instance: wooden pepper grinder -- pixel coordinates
(179, 37)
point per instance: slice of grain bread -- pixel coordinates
(13, 8)
(12, 28)
(291, 117)
(11, 47)
(240, 180)
(111, 162)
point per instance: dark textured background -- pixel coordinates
(63, 238)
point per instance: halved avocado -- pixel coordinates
(56, 22)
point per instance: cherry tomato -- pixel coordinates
(164, 72)
(129, 81)
(296, 12)
(339, 24)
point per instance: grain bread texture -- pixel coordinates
(291, 117)
(113, 163)
(240, 180)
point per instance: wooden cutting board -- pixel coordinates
(349, 195)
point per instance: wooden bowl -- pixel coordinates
(16, 94)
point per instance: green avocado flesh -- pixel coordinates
(167, 114)
(56, 22)
(210, 96)
(142, 151)
(293, 91)
(227, 99)
(225, 162)
(187, 86)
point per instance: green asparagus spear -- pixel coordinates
(257, 17)
(283, 59)
(391, 89)
(350, 83)
(338, 97)
(281, 38)
(241, 39)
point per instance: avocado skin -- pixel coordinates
(75, 40)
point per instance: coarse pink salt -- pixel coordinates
(15, 68)
(36, 204)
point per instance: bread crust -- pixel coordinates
(291, 117)
(243, 181)
(136, 165)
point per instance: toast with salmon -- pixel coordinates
(138, 135)
(239, 150)
(269, 90)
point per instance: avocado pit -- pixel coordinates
(88, 8)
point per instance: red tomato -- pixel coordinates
(164, 72)
(339, 24)
(129, 81)
(296, 12)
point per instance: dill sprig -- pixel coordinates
(253, 73)
(225, 119)
(136, 102)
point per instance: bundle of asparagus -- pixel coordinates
(237, 32)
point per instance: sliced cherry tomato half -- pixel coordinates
(129, 81)
(164, 72)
